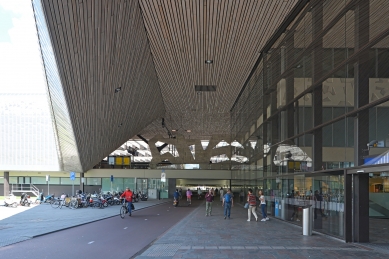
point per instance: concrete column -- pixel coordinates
(348, 212)
(361, 208)
(361, 122)
(275, 138)
(317, 94)
(289, 81)
(6, 183)
(264, 112)
(361, 81)
(82, 184)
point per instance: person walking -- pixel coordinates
(189, 196)
(228, 202)
(251, 199)
(176, 196)
(208, 203)
(180, 192)
(241, 195)
(127, 194)
(263, 206)
(221, 194)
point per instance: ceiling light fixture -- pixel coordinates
(118, 89)
(208, 61)
(174, 130)
(188, 131)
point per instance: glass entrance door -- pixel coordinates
(141, 185)
(379, 207)
(379, 195)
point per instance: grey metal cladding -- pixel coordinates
(100, 46)
(67, 151)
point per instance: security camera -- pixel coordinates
(372, 143)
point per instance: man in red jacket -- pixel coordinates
(128, 196)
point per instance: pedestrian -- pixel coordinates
(263, 206)
(208, 203)
(228, 202)
(176, 196)
(198, 193)
(241, 196)
(251, 199)
(189, 196)
(216, 191)
(180, 192)
(221, 194)
(127, 194)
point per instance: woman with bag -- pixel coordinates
(252, 205)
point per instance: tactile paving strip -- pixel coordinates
(162, 250)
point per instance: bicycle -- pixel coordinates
(124, 209)
(55, 203)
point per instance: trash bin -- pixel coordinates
(307, 221)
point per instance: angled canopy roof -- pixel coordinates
(123, 65)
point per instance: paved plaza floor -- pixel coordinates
(199, 236)
(195, 235)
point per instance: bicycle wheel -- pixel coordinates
(123, 211)
(55, 204)
(73, 204)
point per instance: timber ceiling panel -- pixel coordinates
(100, 46)
(184, 34)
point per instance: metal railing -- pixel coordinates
(25, 188)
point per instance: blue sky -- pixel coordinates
(21, 69)
(6, 17)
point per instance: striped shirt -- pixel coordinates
(252, 200)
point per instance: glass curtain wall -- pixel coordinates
(317, 97)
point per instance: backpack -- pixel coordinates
(227, 198)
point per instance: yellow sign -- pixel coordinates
(119, 160)
(126, 160)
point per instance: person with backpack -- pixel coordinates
(228, 202)
(252, 201)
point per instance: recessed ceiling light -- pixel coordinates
(118, 89)
(174, 130)
(188, 130)
(208, 61)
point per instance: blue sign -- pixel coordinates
(277, 212)
(111, 178)
(72, 176)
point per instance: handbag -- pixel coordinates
(246, 206)
(132, 206)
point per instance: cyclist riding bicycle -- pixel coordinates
(127, 195)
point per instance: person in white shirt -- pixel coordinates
(263, 206)
(221, 194)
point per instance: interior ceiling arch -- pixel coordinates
(184, 35)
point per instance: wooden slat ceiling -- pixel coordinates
(184, 34)
(101, 45)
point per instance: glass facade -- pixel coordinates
(316, 99)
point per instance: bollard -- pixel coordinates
(307, 221)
